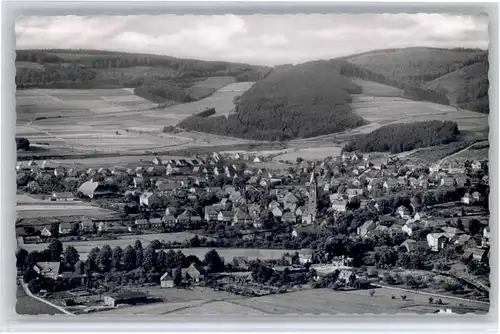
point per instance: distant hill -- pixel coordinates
(459, 74)
(299, 101)
(466, 87)
(157, 78)
(414, 65)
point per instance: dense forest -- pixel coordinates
(405, 137)
(156, 78)
(292, 102)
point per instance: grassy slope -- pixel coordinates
(457, 81)
(401, 64)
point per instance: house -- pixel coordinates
(390, 184)
(410, 228)
(447, 182)
(126, 297)
(476, 165)
(241, 217)
(48, 269)
(257, 159)
(466, 241)
(66, 228)
(93, 189)
(305, 229)
(339, 205)
(169, 220)
(148, 199)
(403, 212)
(477, 253)
(436, 241)
(485, 240)
(45, 232)
(166, 187)
(184, 218)
(211, 212)
(363, 230)
(141, 224)
(466, 199)
(277, 212)
(156, 223)
(225, 216)
(289, 217)
(351, 193)
(166, 281)
(64, 197)
(273, 204)
(290, 201)
(254, 210)
(305, 256)
(194, 273)
(87, 226)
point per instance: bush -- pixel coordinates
(206, 113)
(372, 293)
(403, 297)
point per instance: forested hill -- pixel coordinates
(158, 77)
(419, 67)
(466, 87)
(299, 101)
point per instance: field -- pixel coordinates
(318, 301)
(376, 89)
(207, 86)
(385, 110)
(113, 120)
(29, 207)
(326, 301)
(26, 305)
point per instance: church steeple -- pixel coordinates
(312, 193)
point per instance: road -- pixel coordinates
(438, 164)
(57, 310)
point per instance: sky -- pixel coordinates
(255, 39)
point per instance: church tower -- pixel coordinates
(312, 203)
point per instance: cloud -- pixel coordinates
(256, 39)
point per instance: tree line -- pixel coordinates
(405, 137)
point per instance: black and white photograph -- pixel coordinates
(252, 165)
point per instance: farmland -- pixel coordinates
(317, 301)
(327, 301)
(384, 110)
(29, 207)
(108, 120)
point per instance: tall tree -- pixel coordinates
(21, 256)
(71, 257)
(150, 259)
(116, 258)
(177, 276)
(213, 262)
(129, 260)
(104, 258)
(56, 249)
(80, 267)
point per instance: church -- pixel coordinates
(310, 213)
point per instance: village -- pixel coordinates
(354, 222)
